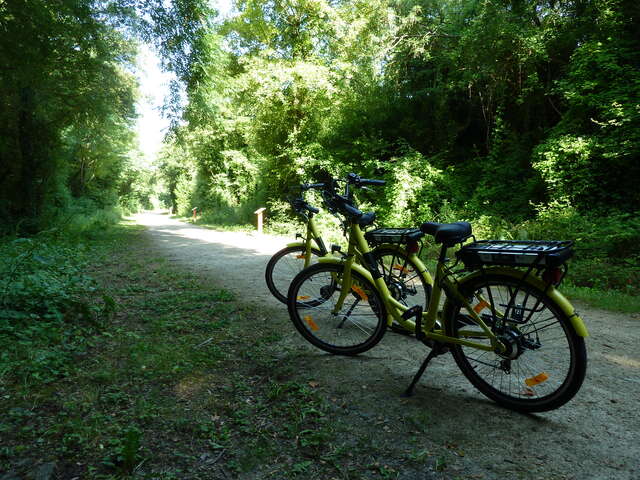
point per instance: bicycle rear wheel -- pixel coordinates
(403, 277)
(283, 266)
(358, 326)
(545, 362)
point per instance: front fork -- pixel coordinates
(311, 236)
(345, 284)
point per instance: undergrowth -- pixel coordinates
(144, 371)
(49, 307)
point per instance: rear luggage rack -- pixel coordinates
(518, 253)
(393, 235)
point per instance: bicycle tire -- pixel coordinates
(403, 277)
(282, 260)
(358, 327)
(550, 358)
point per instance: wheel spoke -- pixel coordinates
(357, 326)
(544, 362)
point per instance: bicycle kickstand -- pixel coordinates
(437, 349)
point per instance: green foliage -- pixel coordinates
(490, 111)
(136, 189)
(124, 454)
(67, 109)
(607, 245)
(49, 308)
(591, 156)
(415, 189)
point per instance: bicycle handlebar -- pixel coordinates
(333, 200)
(353, 179)
(367, 181)
(351, 211)
(309, 186)
(299, 205)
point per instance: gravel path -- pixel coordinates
(595, 436)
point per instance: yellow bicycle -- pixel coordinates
(511, 332)
(400, 265)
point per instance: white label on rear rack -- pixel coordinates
(510, 258)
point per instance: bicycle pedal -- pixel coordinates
(414, 311)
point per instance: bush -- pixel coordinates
(48, 307)
(607, 244)
(597, 234)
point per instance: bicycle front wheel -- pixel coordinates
(545, 361)
(283, 266)
(355, 328)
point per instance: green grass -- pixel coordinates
(180, 381)
(613, 300)
(213, 225)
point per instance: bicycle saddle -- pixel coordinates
(447, 233)
(367, 219)
(363, 219)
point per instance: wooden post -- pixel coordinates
(195, 213)
(259, 213)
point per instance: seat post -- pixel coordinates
(443, 253)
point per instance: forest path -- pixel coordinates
(595, 436)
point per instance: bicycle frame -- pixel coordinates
(443, 282)
(312, 235)
(395, 309)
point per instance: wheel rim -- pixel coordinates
(540, 357)
(354, 325)
(286, 268)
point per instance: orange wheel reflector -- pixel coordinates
(312, 325)
(528, 392)
(360, 292)
(300, 256)
(401, 268)
(480, 306)
(537, 380)
(303, 297)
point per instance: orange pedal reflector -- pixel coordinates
(303, 297)
(360, 292)
(300, 256)
(480, 306)
(537, 380)
(312, 325)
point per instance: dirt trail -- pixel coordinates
(595, 436)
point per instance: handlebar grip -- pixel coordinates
(313, 209)
(307, 186)
(367, 181)
(353, 179)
